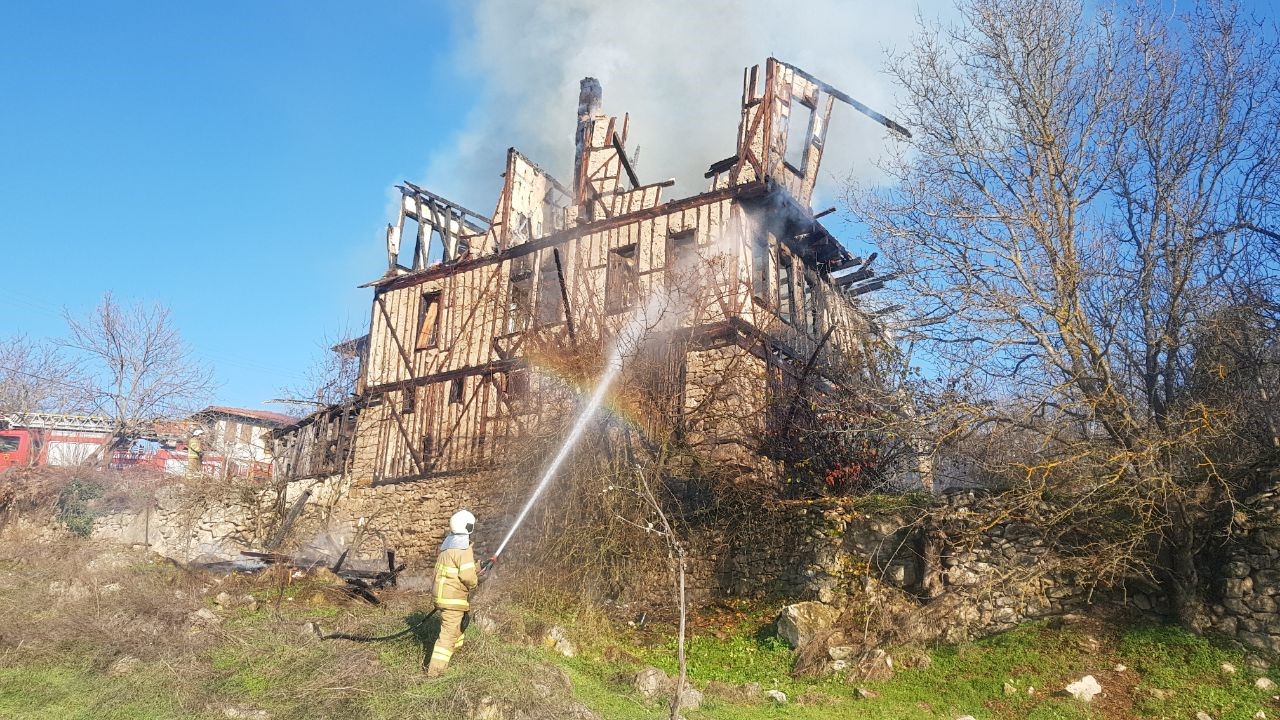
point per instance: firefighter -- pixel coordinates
(195, 453)
(455, 578)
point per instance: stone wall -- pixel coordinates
(186, 523)
(945, 551)
(1245, 598)
(410, 518)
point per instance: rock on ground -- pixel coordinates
(557, 638)
(877, 666)
(1084, 689)
(798, 624)
(651, 682)
(204, 616)
(125, 665)
(690, 699)
(777, 696)
(1264, 684)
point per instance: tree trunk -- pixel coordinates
(682, 601)
(931, 583)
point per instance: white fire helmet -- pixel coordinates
(462, 523)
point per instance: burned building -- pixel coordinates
(474, 310)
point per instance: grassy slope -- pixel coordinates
(55, 652)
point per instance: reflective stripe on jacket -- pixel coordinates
(455, 577)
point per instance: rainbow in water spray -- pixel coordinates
(629, 339)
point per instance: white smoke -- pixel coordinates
(675, 66)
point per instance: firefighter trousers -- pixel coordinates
(449, 642)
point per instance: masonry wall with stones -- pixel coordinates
(186, 525)
(1245, 598)
(945, 554)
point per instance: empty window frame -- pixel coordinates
(622, 280)
(456, 388)
(786, 288)
(761, 277)
(428, 321)
(519, 296)
(550, 299)
(798, 125)
(521, 229)
(408, 401)
(682, 261)
(410, 243)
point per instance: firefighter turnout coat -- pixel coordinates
(455, 573)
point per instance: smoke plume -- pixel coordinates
(674, 65)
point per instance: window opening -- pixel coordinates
(682, 261)
(550, 301)
(455, 392)
(786, 292)
(409, 229)
(798, 134)
(428, 321)
(622, 280)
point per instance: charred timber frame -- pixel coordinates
(446, 377)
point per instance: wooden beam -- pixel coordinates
(841, 96)
(626, 164)
(564, 292)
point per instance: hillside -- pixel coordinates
(87, 632)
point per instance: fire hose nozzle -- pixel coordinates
(487, 565)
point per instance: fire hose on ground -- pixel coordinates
(412, 626)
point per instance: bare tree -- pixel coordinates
(140, 367)
(332, 377)
(1086, 192)
(35, 376)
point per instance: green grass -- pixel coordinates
(30, 693)
(1178, 663)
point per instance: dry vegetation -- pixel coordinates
(89, 631)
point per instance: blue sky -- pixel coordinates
(231, 160)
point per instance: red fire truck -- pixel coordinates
(50, 439)
(15, 448)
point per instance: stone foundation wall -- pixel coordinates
(1245, 604)
(410, 518)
